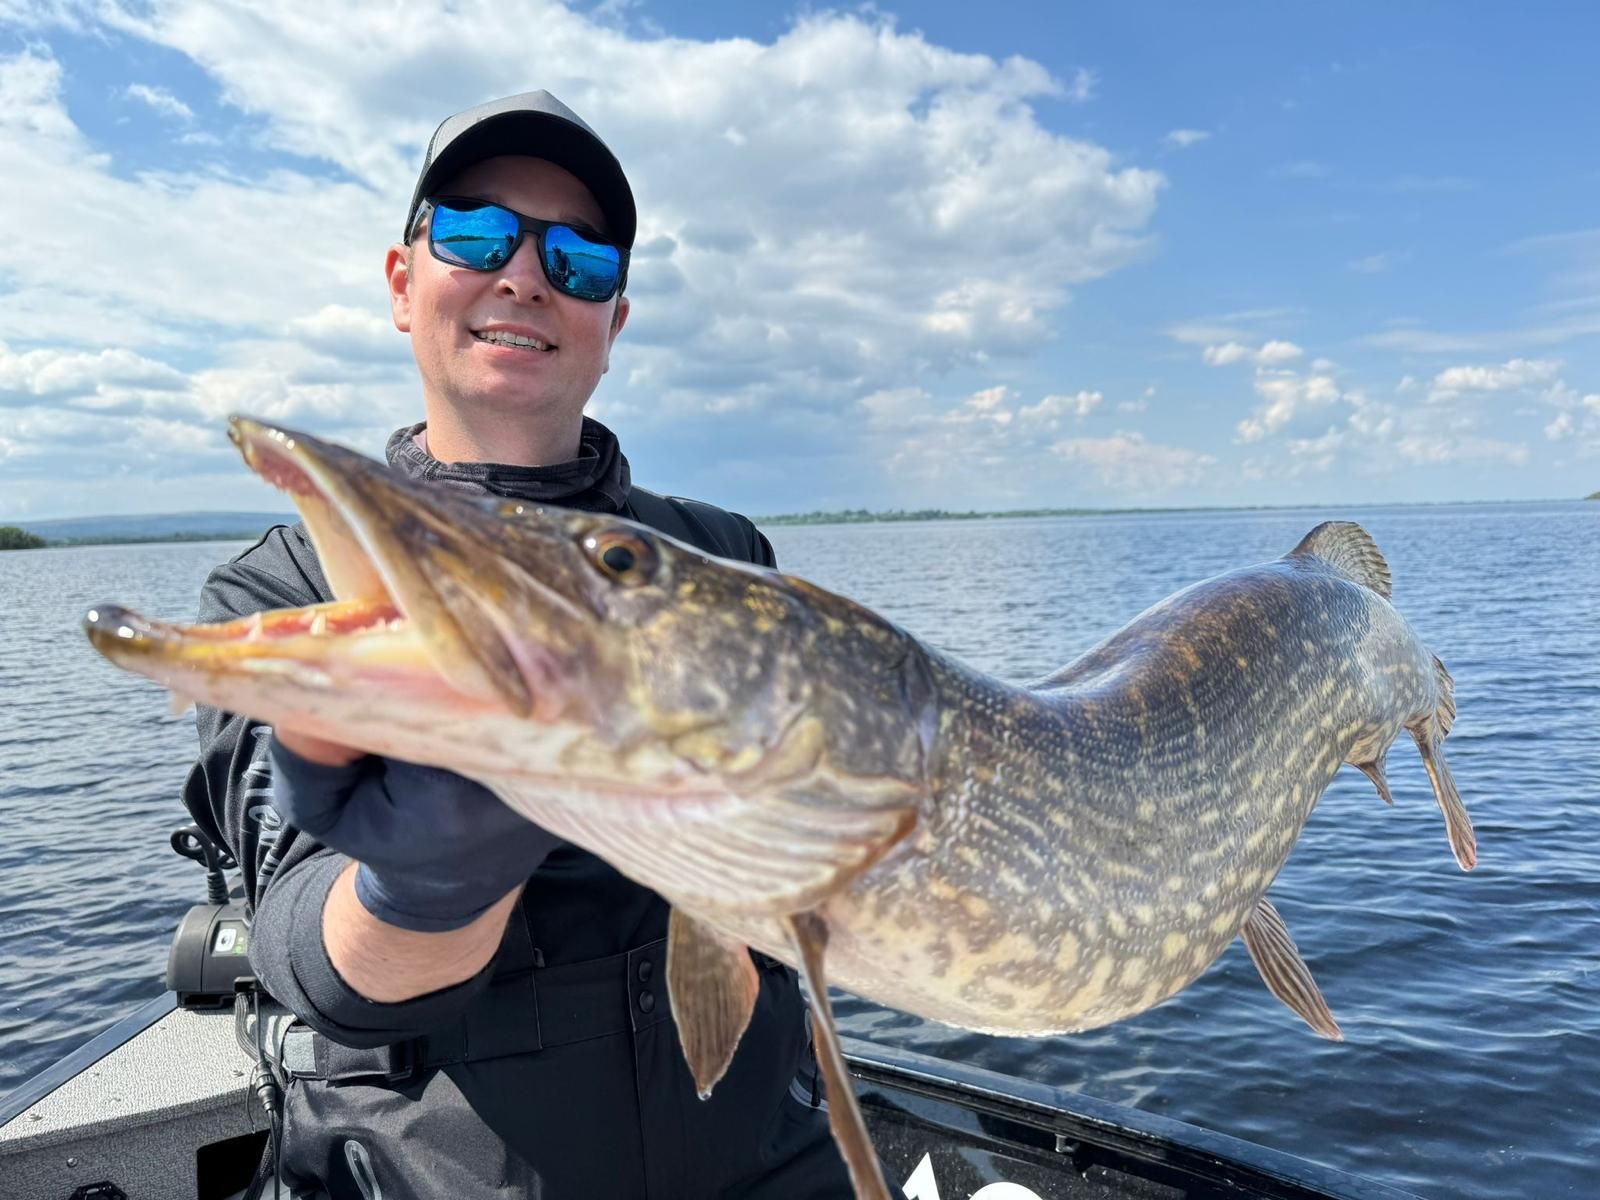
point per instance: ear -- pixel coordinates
(618, 320)
(398, 273)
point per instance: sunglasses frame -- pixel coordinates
(525, 225)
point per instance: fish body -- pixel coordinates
(797, 774)
(1090, 843)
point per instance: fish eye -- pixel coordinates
(623, 555)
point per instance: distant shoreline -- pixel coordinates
(854, 516)
(865, 517)
(138, 540)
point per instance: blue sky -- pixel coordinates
(1064, 254)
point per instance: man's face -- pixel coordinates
(445, 308)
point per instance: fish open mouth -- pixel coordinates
(390, 624)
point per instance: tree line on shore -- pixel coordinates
(12, 538)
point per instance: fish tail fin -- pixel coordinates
(1430, 733)
(1348, 549)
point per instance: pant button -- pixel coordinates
(646, 969)
(647, 1001)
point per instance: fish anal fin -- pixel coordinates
(1350, 550)
(712, 984)
(809, 932)
(1374, 770)
(1283, 970)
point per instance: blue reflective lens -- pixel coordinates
(482, 236)
(578, 266)
(479, 239)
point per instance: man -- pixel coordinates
(481, 1007)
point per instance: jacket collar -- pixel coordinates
(597, 480)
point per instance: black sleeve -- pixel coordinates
(761, 551)
(287, 874)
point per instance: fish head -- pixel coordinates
(585, 666)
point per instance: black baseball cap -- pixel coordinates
(540, 126)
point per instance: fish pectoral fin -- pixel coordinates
(1430, 734)
(1286, 975)
(1457, 824)
(809, 932)
(1374, 771)
(712, 984)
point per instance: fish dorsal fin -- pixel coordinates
(713, 986)
(1348, 549)
(1286, 975)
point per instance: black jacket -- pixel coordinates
(539, 1072)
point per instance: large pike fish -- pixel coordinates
(795, 773)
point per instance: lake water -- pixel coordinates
(1470, 1002)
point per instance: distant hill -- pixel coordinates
(1593, 496)
(156, 527)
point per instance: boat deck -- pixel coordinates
(159, 1106)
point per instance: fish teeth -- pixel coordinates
(319, 625)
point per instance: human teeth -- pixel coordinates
(511, 339)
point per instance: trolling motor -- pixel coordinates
(209, 961)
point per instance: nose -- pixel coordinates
(522, 276)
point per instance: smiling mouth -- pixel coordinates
(514, 341)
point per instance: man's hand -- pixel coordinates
(435, 849)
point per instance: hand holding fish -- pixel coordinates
(435, 849)
(795, 773)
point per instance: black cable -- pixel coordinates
(264, 1081)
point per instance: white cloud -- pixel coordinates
(1227, 354)
(1053, 407)
(988, 402)
(1434, 449)
(1081, 89)
(1141, 404)
(1129, 462)
(1559, 428)
(74, 375)
(893, 407)
(1287, 396)
(1514, 375)
(1184, 138)
(1270, 354)
(161, 100)
(343, 331)
(1318, 453)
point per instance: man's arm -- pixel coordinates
(389, 965)
(308, 927)
(382, 962)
